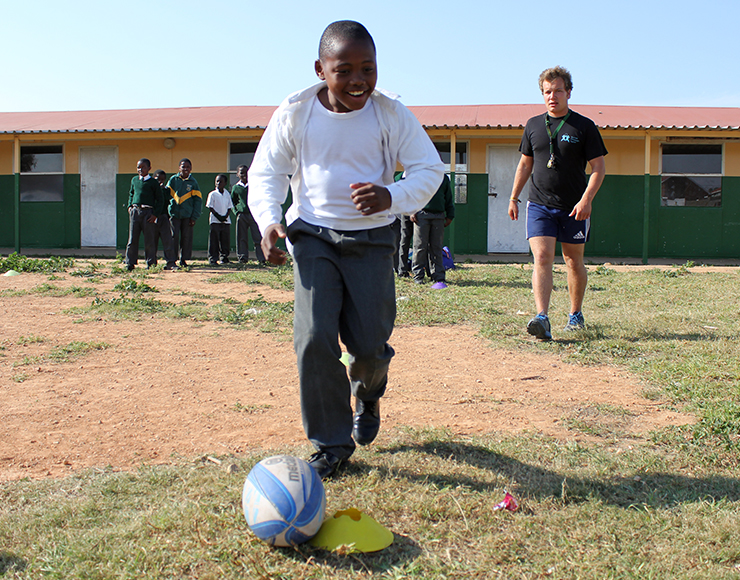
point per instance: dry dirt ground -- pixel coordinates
(165, 389)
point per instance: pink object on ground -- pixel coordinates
(439, 286)
(509, 503)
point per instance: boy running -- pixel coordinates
(337, 144)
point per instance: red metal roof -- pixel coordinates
(438, 116)
(605, 116)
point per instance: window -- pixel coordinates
(461, 167)
(691, 175)
(42, 173)
(240, 154)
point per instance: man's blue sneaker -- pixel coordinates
(575, 322)
(539, 327)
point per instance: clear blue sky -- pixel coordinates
(113, 54)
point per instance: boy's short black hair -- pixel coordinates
(342, 30)
(238, 169)
(185, 160)
(145, 160)
(159, 172)
(222, 175)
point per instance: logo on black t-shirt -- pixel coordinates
(569, 138)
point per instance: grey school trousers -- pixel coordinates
(246, 225)
(429, 232)
(344, 288)
(138, 224)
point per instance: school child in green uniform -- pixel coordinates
(185, 207)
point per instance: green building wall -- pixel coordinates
(42, 224)
(7, 216)
(617, 223)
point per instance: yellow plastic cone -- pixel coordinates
(351, 528)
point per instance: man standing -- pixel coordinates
(555, 148)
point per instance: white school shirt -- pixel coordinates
(279, 160)
(339, 149)
(221, 204)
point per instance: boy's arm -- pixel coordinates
(449, 202)
(269, 175)
(219, 217)
(421, 162)
(270, 237)
(197, 201)
(131, 194)
(234, 198)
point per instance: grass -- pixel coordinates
(666, 508)
(63, 354)
(585, 513)
(21, 263)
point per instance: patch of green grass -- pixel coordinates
(21, 263)
(51, 290)
(123, 307)
(63, 354)
(584, 513)
(250, 409)
(671, 332)
(277, 277)
(30, 339)
(256, 313)
(130, 286)
(19, 377)
(92, 270)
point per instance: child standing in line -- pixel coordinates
(245, 223)
(143, 196)
(185, 207)
(337, 145)
(429, 232)
(163, 230)
(219, 239)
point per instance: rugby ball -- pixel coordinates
(284, 501)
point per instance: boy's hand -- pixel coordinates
(370, 198)
(192, 223)
(273, 254)
(152, 219)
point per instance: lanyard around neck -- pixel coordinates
(552, 135)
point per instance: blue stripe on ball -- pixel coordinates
(295, 537)
(273, 489)
(314, 502)
(268, 530)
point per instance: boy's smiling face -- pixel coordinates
(350, 72)
(185, 169)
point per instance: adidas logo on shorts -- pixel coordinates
(579, 236)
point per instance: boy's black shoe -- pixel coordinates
(130, 267)
(367, 421)
(324, 463)
(224, 260)
(213, 262)
(183, 264)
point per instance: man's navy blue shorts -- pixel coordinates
(556, 223)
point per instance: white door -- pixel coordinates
(98, 167)
(504, 235)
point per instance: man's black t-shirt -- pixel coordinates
(577, 142)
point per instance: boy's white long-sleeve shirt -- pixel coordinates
(279, 156)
